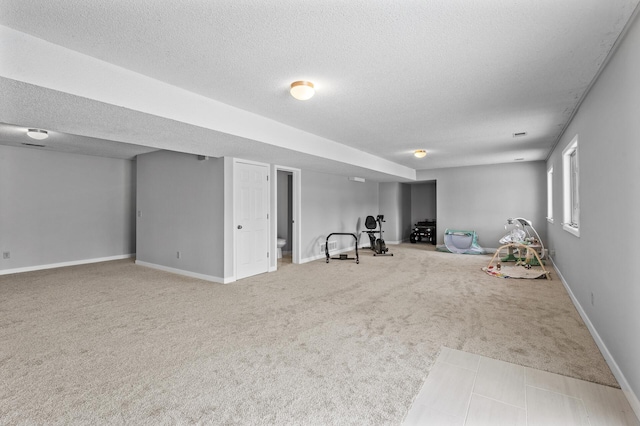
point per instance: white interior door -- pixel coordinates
(252, 219)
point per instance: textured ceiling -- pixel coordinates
(454, 77)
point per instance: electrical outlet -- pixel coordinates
(139, 213)
(6, 255)
(178, 255)
(592, 299)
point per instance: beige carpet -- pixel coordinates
(319, 343)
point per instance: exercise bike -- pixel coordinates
(377, 244)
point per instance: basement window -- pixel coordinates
(550, 195)
(571, 188)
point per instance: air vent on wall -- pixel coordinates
(519, 134)
(332, 246)
(33, 144)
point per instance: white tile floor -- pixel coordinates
(467, 389)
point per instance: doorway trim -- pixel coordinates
(296, 211)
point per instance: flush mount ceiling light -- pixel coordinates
(302, 90)
(37, 134)
(420, 153)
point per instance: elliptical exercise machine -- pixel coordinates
(377, 244)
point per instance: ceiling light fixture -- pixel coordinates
(302, 90)
(37, 134)
(420, 153)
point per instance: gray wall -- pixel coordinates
(601, 261)
(181, 202)
(389, 206)
(395, 205)
(58, 207)
(481, 198)
(333, 204)
(406, 225)
(423, 201)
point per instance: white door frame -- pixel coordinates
(295, 215)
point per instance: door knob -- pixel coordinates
(239, 226)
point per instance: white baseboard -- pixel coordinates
(622, 380)
(366, 246)
(186, 273)
(395, 242)
(332, 253)
(63, 264)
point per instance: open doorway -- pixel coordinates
(285, 226)
(284, 220)
(424, 209)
